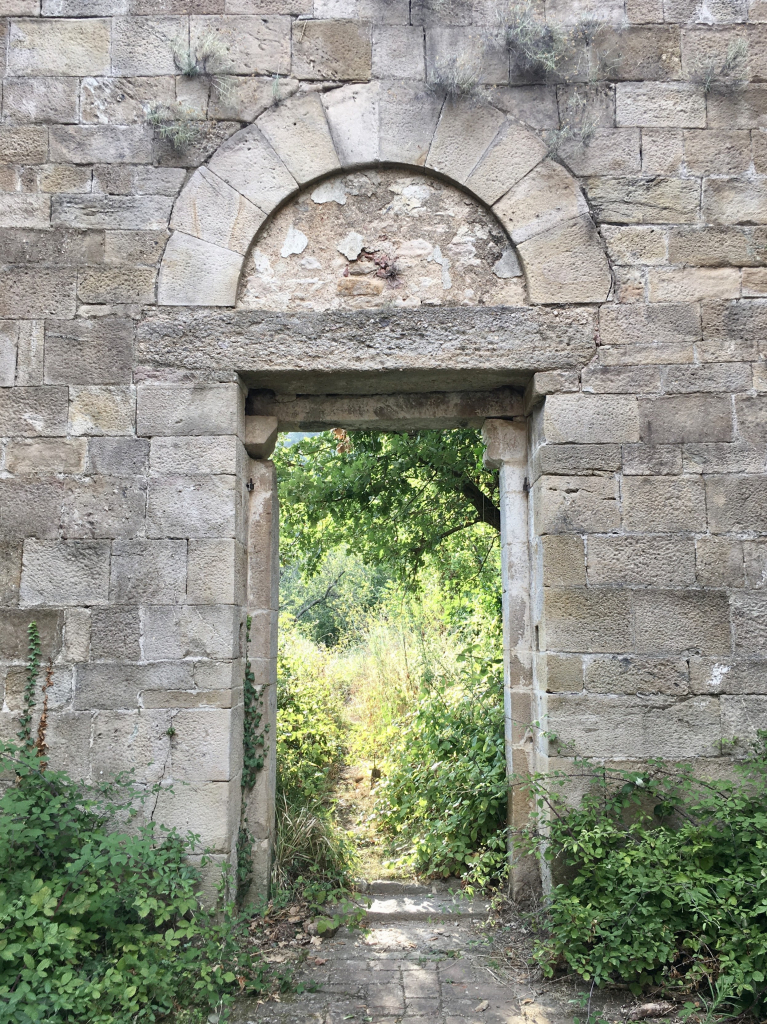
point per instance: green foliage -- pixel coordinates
(395, 500)
(444, 795)
(33, 671)
(310, 719)
(102, 925)
(310, 850)
(253, 736)
(174, 123)
(667, 878)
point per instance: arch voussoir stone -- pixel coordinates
(504, 163)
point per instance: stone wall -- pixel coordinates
(124, 493)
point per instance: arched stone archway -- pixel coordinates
(313, 135)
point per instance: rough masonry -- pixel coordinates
(336, 224)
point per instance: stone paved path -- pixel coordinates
(439, 966)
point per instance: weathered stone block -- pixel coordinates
(98, 351)
(737, 457)
(749, 621)
(60, 47)
(211, 210)
(144, 46)
(25, 211)
(115, 634)
(190, 409)
(717, 152)
(660, 105)
(116, 285)
(544, 197)
(261, 436)
(51, 246)
(134, 246)
(574, 459)
(143, 213)
(514, 152)
(30, 508)
(68, 740)
(715, 246)
(652, 460)
(103, 507)
(298, 132)
(736, 504)
(564, 561)
(30, 412)
(68, 572)
(398, 52)
(216, 571)
(116, 686)
(480, 54)
(14, 636)
(719, 562)
(640, 324)
(640, 676)
(754, 282)
(148, 572)
(36, 292)
(332, 50)
(647, 561)
(193, 455)
(125, 740)
(10, 571)
(691, 284)
(663, 504)
(102, 410)
(586, 620)
(644, 200)
(628, 380)
(187, 631)
(197, 273)
(46, 456)
(24, 145)
(734, 201)
(738, 108)
(744, 717)
(561, 673)
(249, 164)
(254, 45)
(206, 745)
(732, 330)
(662, 150)
(709, 377)
(636, 727)
(609, 151)
(751, 414)
(193, 507)
(41, 100)
(677, 623)
(566, 264)
(352, 115)
(589, 418)
(686, 418)
(130, 179)
(211, 810)
(566, 504)
(123, 101)
(641, 54)
(755, 563)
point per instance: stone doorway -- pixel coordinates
(499, 414)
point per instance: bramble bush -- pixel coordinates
(667, 878)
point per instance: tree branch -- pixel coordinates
(487, 511)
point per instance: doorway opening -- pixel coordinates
(392, 746)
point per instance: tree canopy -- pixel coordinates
(397, 499)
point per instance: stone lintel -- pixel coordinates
(431, 411)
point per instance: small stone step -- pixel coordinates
(397, 887)
(424, 908)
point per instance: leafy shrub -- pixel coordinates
(310, 723)
(444, 795)
(668, 878)
(98, 924)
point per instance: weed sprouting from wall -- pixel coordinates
(456, 77)
(174, 123)
(537, 47)
(577, 127)
(254, 738)
(206, 60)
(732, 70)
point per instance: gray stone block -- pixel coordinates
(732, 330)
(565, 504)
(30, 508)
(148, 572)
(663, 505)
(564, 561)
(193, 507)
(736, 504)
(719, 562)
(10, 571)
(646, 561)
(68, 738)
(733, 457)
(734, 201)
(123, 101)
(115, 285)
(126, 740)
(584, 419)
(196, 409)
(206, 745)
(656, 200)
(32, 412)
(194, 455)
(103, 507)
(640, 676)
(71, 572)
(37, 292)
(59, 47)
(117, 686)
(25, 211)
(131, 179)
(41, 100)
(398, 52)
(586, 621)
(144, 46)
(118, 456)
(29, 353)
(46, 456)
(254, 45)
(340, 50)
(660, 105)
(115, 634)
(298, 132)
(51, 246)
(191, 631)
(98, 351)
(134, 246)
(744, 717)
(749, 621)
(136, 213)
(216, 572)
(686, 418)
(102, 410)
(678, 623)
(573, 459)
